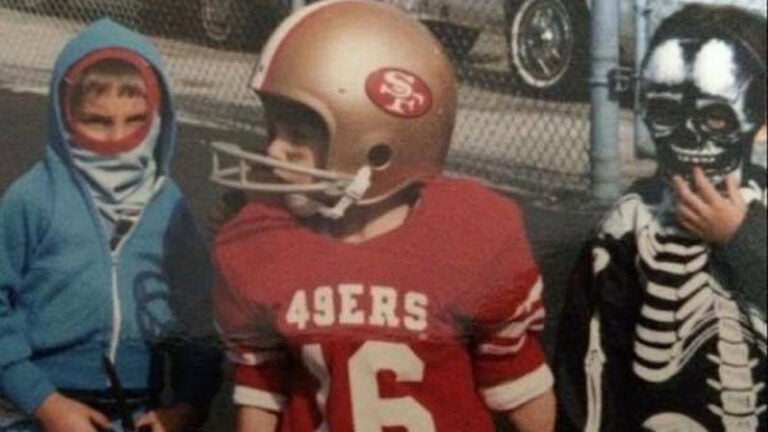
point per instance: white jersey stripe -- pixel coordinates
(511, 394)
(517, 328)
(534, 298)
(249, 396)
(502, 350)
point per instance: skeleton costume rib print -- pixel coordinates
(674, 327)
(672, 332)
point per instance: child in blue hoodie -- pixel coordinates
(104, 276)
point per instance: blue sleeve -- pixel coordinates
(22, 224)
(196, 357)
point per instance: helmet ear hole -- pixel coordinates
(379, 156)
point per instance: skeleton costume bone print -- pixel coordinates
(674, 328)
(689, 324)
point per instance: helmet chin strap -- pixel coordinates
(303, 206)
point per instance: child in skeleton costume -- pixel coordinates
(670, 297)
(103, 274)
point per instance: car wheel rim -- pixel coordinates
(542, 42)
(215, 18)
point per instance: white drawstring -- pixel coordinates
(353, 193)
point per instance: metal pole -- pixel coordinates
(604, 131)
(644, 147)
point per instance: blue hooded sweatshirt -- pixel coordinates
(67, 299)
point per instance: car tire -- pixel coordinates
(168, 18)
(548, 44)
(239, 24)
(457, 39)
(30, 5)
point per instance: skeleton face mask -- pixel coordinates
(698, 106)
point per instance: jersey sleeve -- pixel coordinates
(507, 317)
(254, 348)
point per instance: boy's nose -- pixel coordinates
(117, 132)
(280, 149)
(284, 151)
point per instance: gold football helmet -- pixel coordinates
(383, 86)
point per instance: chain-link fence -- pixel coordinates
(523, 117)
(523, 114)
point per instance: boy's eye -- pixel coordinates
(96, 121)
(137, 119)
(716, 123)
(305, 133)
(301, 134)
(664, 113)
(718, 119)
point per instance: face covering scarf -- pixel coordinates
(121, 184)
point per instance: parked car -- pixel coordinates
(240, 23)
(447, 21)
(26, 4)
(246, 23)
(547, 41)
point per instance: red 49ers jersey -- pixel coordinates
(425, 328)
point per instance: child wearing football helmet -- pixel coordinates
(674, 333)
(359, 289)
(102, 271)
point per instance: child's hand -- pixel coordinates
(61, 414)
(711, 215)
(177, 418)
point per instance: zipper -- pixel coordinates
(114, 255)
(114, 261)
(117, 314)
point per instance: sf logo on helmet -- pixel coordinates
(399, 92)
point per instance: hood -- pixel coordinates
(106, 33)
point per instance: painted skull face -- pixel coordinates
(696, 100)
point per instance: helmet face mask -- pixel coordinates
(388, 109)
(697, 105)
